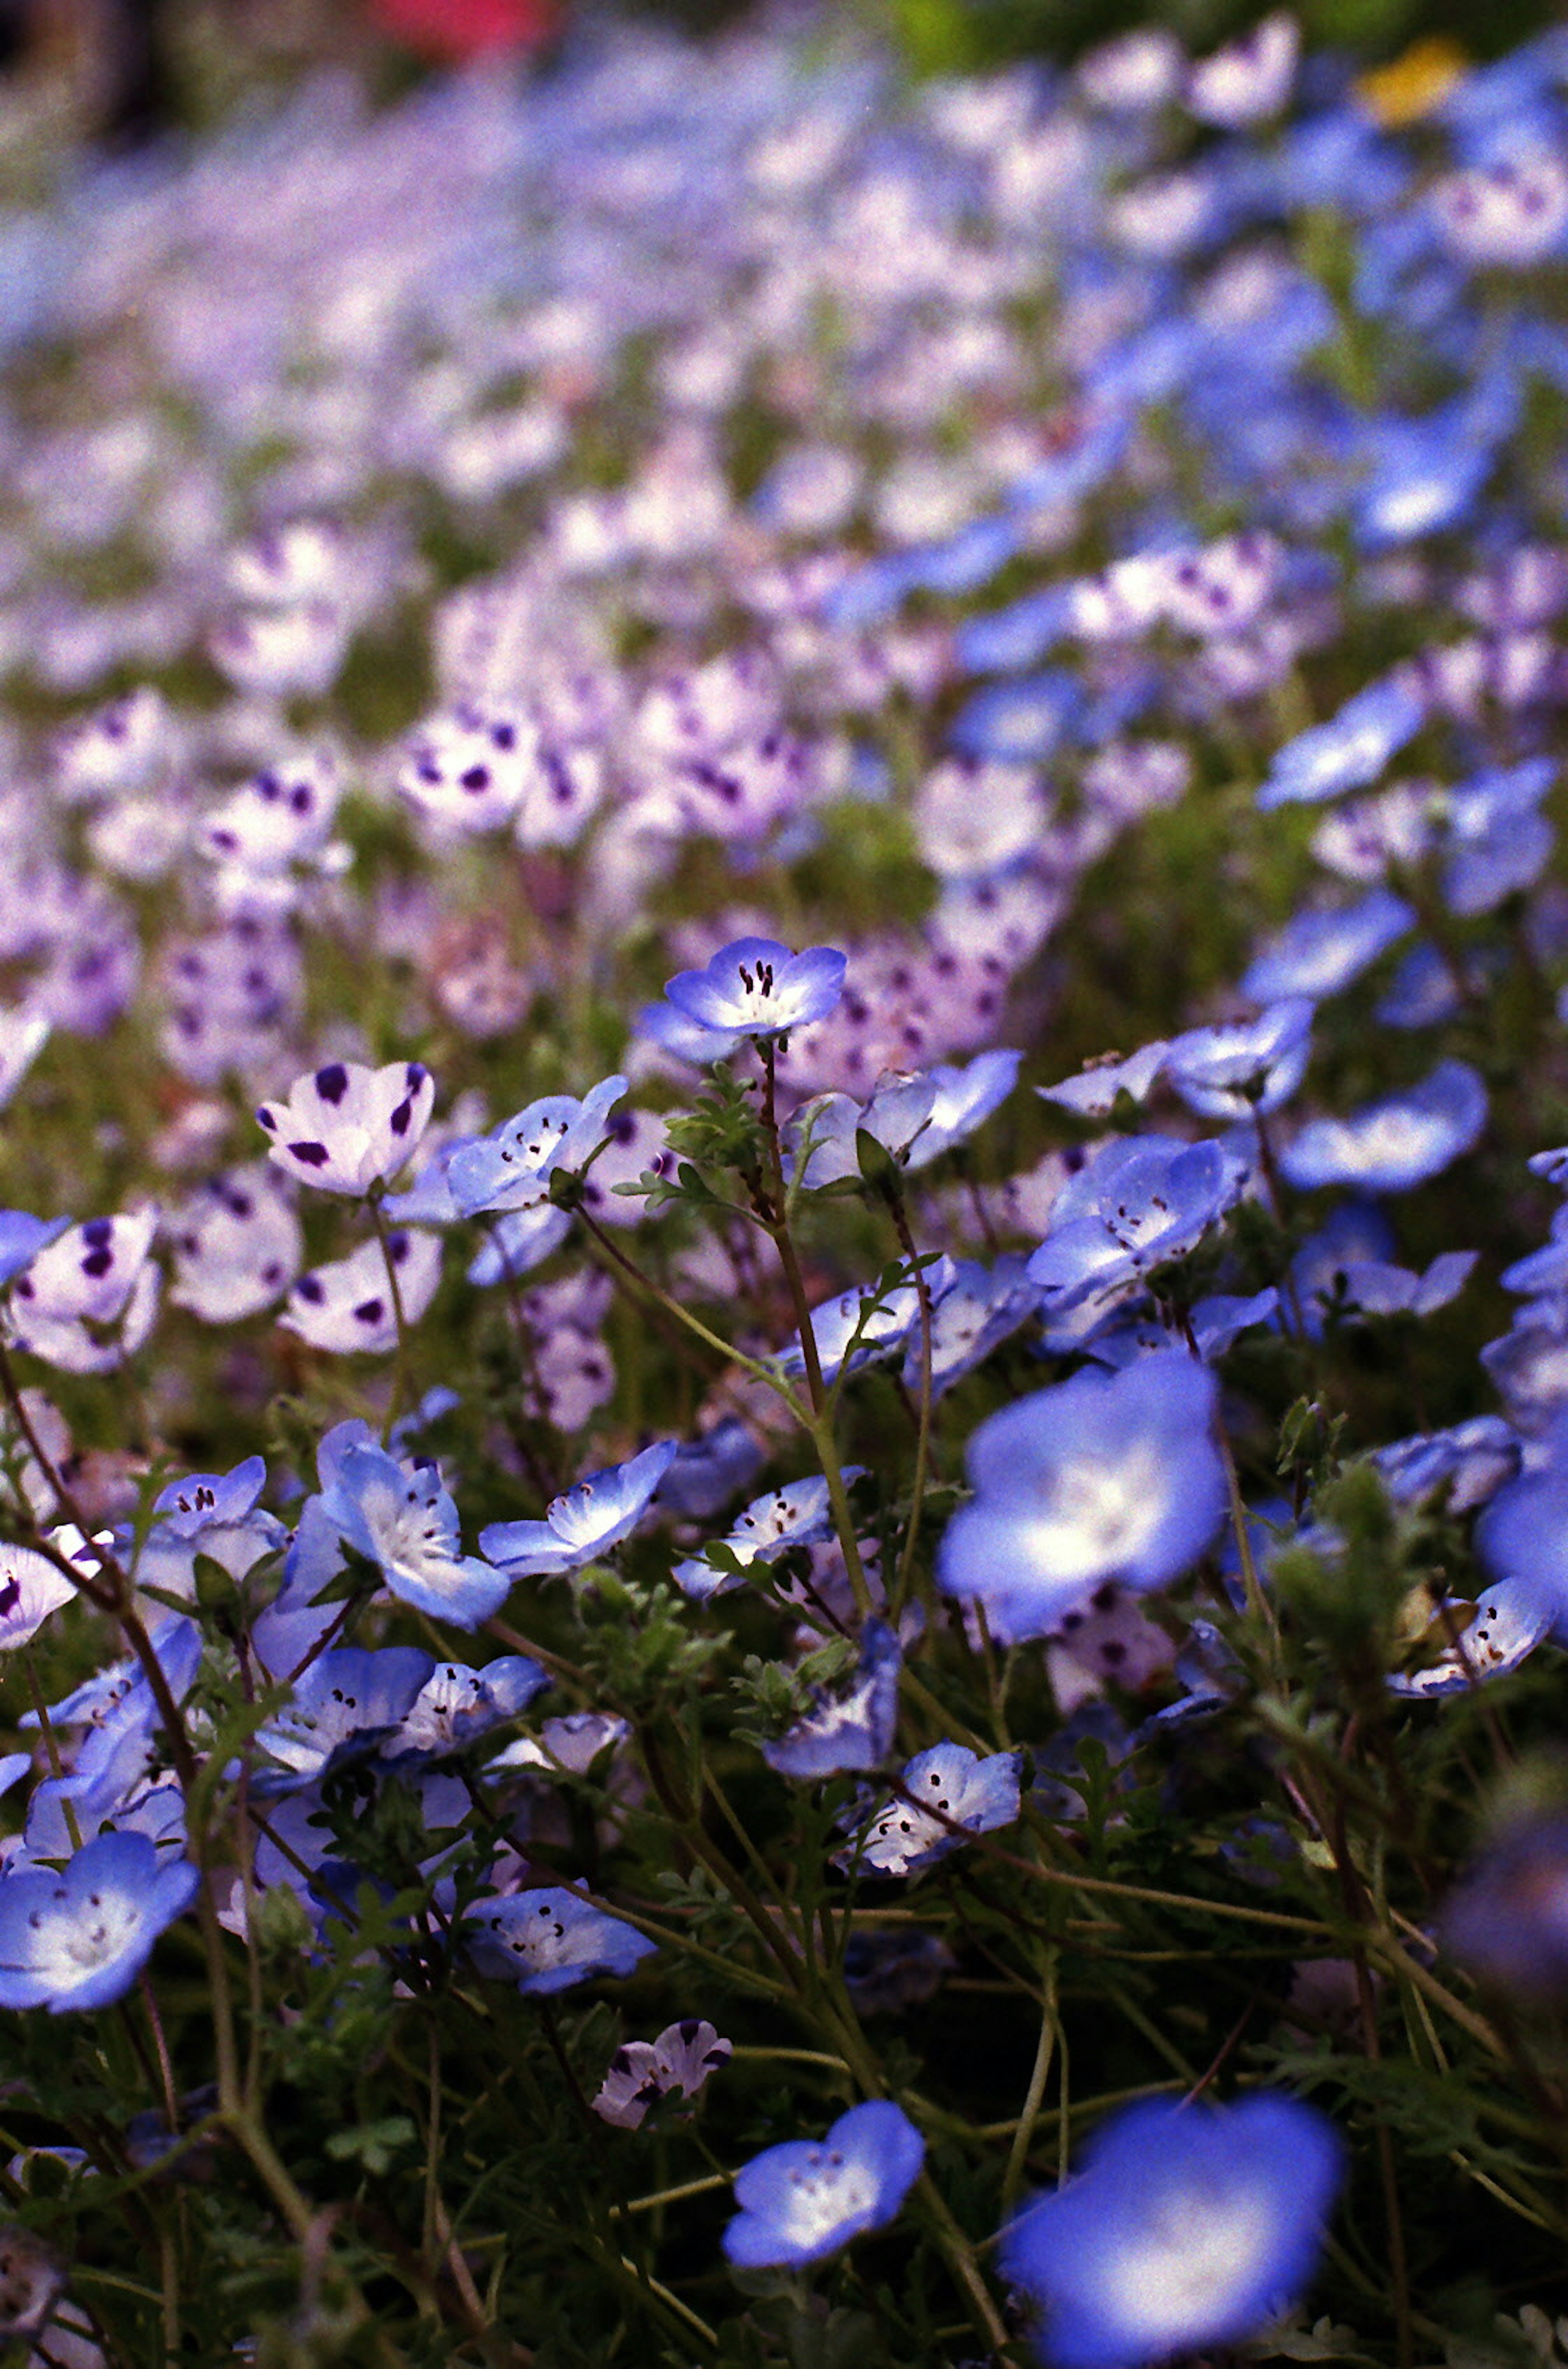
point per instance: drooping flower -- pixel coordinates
(1466, 1643)
(1250, 1068)
(80, 1939)
(508, 1172)
(586, 1522)
(851, 1728)
(808, 2197)
(547, 1939)
(683, 2057)
(940, 1792)
(1186, 2227)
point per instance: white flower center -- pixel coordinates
(1095, 1516)
(823, 2194)
(75, 1937)
(1178, 2276)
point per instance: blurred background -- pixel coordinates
(130, 69)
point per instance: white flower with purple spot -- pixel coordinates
(30, 1589)
(683, 2057)
(237, 1246)
(346, 1305)
(345, 1128)
(88, 1299)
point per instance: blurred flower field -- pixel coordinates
(783, 1281)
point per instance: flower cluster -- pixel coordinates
(784, 959)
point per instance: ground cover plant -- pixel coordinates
(784, 1398)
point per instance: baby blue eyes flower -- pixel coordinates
(1144, 1202)
(1316, 954)
(586, 1522)
(21, 1239)
(1479, 1641)
(510, 1170)
(548, 1939)
(1187, 2227)
(852, 1729)
(795, 1516)
(1346, 753)
(1099, 1479)
(757, 988)
(80, 1939)
(400, 1517)
(1251, 1067)
(946, 1789)
(806, 2198)
(1394, 1144)
(344, 1128)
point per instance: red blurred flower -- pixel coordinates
(466, 28)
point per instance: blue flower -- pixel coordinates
(80, 1939)
(396, 1513)
(1101, 1478)
(1498, 841)
(1316, 954)
(711, 1470)
(211, 1515)
(857, 1328)
(949, 1786)
(807, 2198)
(851, 1730)
(1346, 753)
(1468, 1462)
(757, 988)
(795, 1516)
(1187, 2227)
(1093, 1093)
(457, 1705)
(965, 1095)
(584, 1524)
(1396, 1143)
(1021, 721)
(829, 1127)
(978, 1309)
(340, 1709)
(510, 1169)
(1469, 1642)
(21, 1239)
(547, 1938)
(1507, 1920)
(1144, 1201)
(1252, 1066)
